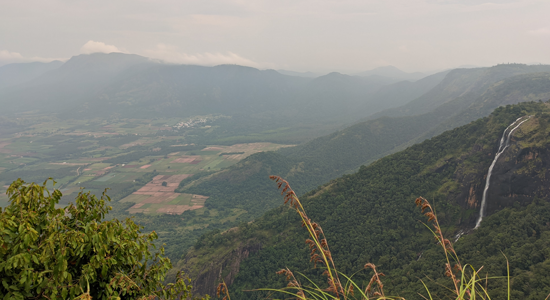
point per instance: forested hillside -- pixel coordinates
(370, 216)
(246, 186)
(13, 74)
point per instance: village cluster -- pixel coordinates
(191, 123)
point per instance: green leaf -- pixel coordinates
(64, 246)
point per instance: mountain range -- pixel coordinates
(125, 85)
(313, 163)
(392, 72)
(14, 74)
(369, 145)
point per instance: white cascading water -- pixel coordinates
(504, 143)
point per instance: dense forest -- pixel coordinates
(313, 163)
(370, 216)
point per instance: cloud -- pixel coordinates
(94, 47)
(171, 54)
(7, 57)
(539, 32)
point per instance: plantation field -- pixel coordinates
(158, 196)
(131, 157)
(141, 163)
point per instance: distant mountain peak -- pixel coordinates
(388, 68)
(114, 61)
(105, 57)
(299, 74)
(392, 72)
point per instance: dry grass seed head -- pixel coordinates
(219, 289)
(448, 271)
(425, 206)
(313, 251)
(288, 274)
(458, 268)
(430, 216)
(331, 287)
(374, 279)
(350, 290)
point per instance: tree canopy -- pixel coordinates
(51, 252)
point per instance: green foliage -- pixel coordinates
(244, 185)
(190, 179)
(37, 175)
(369, 217)
(320, 160)
(230, 153)
(49, 252)
(139, 152)
(117, 141)
(466, 279)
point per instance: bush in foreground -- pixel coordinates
(48, 252)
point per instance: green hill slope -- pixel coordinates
(370, 216)
(316, 162)
(246, 186)
(458, 83)
(18, 73)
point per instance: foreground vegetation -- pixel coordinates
(51, 253)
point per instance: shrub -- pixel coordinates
(50, 252)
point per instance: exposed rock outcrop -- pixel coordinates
(225, 266)
(519, 175)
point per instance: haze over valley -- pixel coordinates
(354, 124)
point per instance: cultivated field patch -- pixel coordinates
(190, 159)
(2, 149)
(139, 142)
(80, 147)
(106, 177)
(240, 151)
(158, 197)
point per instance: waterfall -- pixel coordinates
(504, 143)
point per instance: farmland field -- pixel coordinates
(120, 155)
(140, 162)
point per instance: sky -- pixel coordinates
(299, 35)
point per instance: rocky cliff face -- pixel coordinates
(519, 175)
(223, 267)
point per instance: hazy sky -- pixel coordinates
(301, 35)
